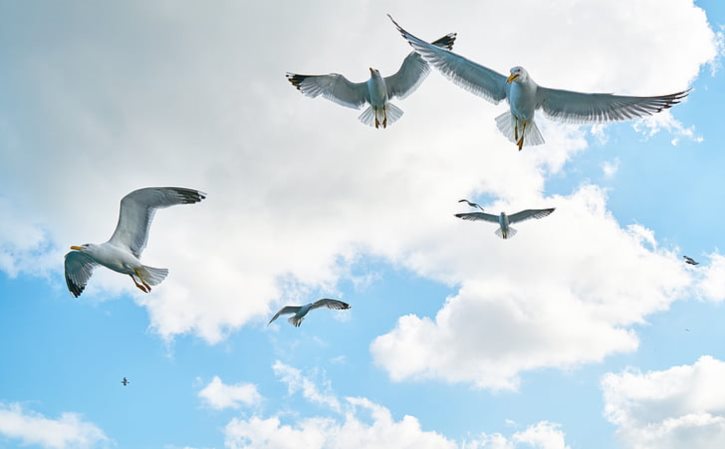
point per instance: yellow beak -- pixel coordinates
(76, 248)
(512, 77)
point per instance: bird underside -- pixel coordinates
(144, 277)
(381, 117)
(295, 321)
(521, 132)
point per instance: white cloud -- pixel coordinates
(665, 121)
(711, 284)
(296, 381)
(564, 291)
(219, 395)
(68, 431)
(683, 406)
(297, 185)
(610, 168)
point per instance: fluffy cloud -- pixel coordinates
(297, 382)
(68, 431)
(562, 292)
(683, 406)
(146, 93)
(219, 395)
(711, 284)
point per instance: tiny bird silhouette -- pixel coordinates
(471, 203)
(690, 260)
(125, 382)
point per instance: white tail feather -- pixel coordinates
(506, 124)
(153, 276)
(511, 232)
(383, 117)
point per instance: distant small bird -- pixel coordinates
(377, 91)
(525, 96)
(125, 382)
(301, 311)
(691, 261)
(471, 203)
(122, 252)
(503, 220)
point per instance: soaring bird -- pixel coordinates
(301, 311)
(504, 230)
(377, 91)
(122, 251)
(471, 203)
(125, 382)
(691, 261)
(525, 96)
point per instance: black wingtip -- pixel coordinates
(295, 79)
(446, 41)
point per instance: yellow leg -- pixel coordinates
(516, 129)
(147, 286)
(139, 286)
(520, 142)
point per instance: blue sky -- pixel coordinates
(579, 333)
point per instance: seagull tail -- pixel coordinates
(506, 124)
(154, 276)
(381, 118)
(511, 233)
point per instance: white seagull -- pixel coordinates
(301, 311)
(122, 251)
(377, 91)
(504, 230)
(525, 96)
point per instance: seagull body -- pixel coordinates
(122, 251)
(691, 261)
(300, 311)
(504, 221)
(525, 96)
(377, 91)
(125, 382)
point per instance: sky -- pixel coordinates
(585, 331)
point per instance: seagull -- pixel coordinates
(125, 382)
(301, 311)
(471, 203)
(503, 220)
(377, 91)
(525, 96)
(691, 261)
(122, 252)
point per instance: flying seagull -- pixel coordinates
(122, 252)
(125, 382)
(525, 96)
(471, 203)
(377, 91)
(691, 261)
(504, 230)
(301, 311)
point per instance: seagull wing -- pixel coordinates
(528, 214)
(414, 70)
(478, 216)
(137, 212)
(334, 87)
(330, 304)
(283, 311)
(473, 77)
(78, 269)
(577, 107)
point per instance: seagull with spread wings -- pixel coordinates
(690, 261)
(377, 91)
(504, 221)
(122, 252)
(300, 311)
(525, 96)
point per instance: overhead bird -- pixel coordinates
(471, 203)
(122, 251)
(525, 96)
(300, 311)
(691, 261)
(377, 91)
(504, 230)
(125, 382)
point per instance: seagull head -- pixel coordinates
(374, 72)
(517, 74)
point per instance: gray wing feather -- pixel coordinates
(283, 311)
(330, 304)
(137, 213)
(478, 216)
(414, 70)
(577, 107)
(469, 75)
(334, 87)
(78, 269)
(529, 214)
